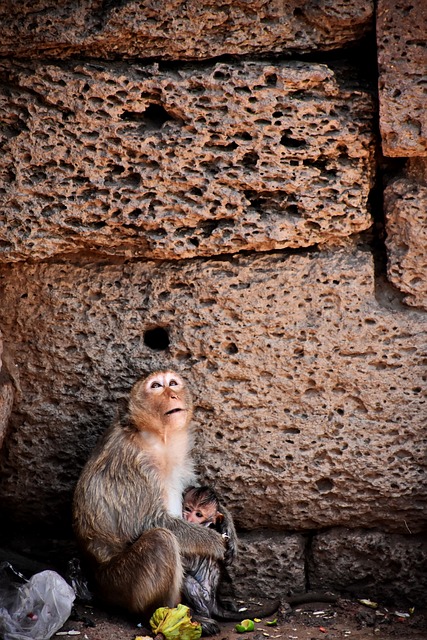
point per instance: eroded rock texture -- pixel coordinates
(382, 566)
(178, 29)
(402, 63)
(270, 563)
(6, 396)
(405, 203)
(312, 386)
(131, 160)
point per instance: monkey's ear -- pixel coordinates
(219, 518)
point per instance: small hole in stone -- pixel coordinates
(288, 141)
(232, 348)
(271, 78)
(324, 485)
(244, 135)
(157, 339)
(157, 115)
(250, 159)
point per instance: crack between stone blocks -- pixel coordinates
(307, 559)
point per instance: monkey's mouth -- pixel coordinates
(169, 413)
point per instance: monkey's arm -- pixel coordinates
(194, 539)
(227, 528)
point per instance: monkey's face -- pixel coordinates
(205, 514)
(161, 401)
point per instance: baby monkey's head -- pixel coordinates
(200, 506)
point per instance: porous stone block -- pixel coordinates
(6, 402)
(6, 396)
(178, 29)
(405, 205)
(308, 382)
(132, 160)
(269, 563)
(371, 564)
(402, 63)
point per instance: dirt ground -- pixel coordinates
(315, 621)
(344, 619)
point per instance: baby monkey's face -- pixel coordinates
(205, 514)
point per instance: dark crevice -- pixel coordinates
(386, 169)
(154, 115)
(107, 5)
(357, 52)
(99, 257)
(308, 557)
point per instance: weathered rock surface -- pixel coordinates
(307, 371)
(178, 29)
(356, 562)
(306, 376)
(402, 63)
(146, 161)
(405, 204)
(270, 563)
(6, 396)
(371, 564)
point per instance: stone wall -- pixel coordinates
(130, 160)
(6, 395)
(202, 187)
(401, 30)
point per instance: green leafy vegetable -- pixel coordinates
(175, 624)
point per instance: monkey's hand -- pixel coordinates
(230, 535)
(195, 540)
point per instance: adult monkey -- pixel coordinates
(128, 503)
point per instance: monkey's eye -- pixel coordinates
(155, 385)
(199, 514)
(173, 383)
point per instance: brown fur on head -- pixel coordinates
(201, 506)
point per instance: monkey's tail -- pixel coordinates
(263, 612)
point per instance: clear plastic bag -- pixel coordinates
(36, 609)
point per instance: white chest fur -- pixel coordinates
(174, 489)
(175, 469)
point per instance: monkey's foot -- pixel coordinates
(209, 626)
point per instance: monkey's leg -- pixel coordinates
(200, 601)
(146, 575)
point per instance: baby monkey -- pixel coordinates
(201, 506)
(203, 575)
